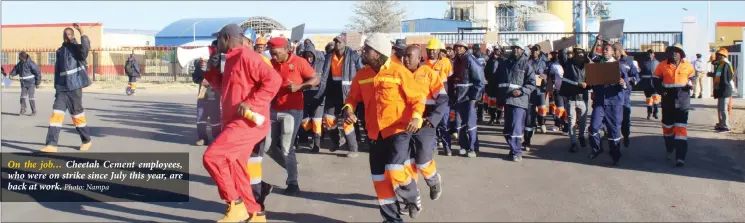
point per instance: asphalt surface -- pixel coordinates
(549, 185)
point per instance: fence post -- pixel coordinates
(95, 64)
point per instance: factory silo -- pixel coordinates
(544, 22)
(563, 10)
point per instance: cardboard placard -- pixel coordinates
(565, 42)
(491, 37)
(297, 33)
(354, 40)
(422, 40)
(602, 73)
(611, 29)
(546, 46)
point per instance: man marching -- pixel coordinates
(516, 82)
(633, 78)
(647, 84)
(444, 67)
(425, 140)
(132, 69)
(70, 77)
(247, 86)
(208, 105)
(394, 107)
(30, 78)
(538, 108)
(464, 88)
(675, 80)
(492, 88)
(313, 114)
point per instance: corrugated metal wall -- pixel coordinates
(433, 25)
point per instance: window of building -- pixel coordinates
(51, 58)
(4, 59)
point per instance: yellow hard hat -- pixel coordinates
(434, 44)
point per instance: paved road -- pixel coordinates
(549, 185)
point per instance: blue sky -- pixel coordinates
(152, 15)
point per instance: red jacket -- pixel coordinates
(247, 78)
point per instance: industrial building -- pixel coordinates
(190, 30)
(432, 25)
(115, 38)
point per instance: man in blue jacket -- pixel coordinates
(340, 68)
(132, 69)
(30, 78)
(647, 84)
(70, 77)
(465, 87)
(313, 109)
(208, 105)
(627, 64)
(516, 82)
(537, 107)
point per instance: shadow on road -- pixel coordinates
(300, 217)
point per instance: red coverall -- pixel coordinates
(246, 78)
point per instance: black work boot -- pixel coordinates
(573, 148)
(435, 191)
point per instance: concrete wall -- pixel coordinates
(695, 41)
(46, 36)
(112, 40)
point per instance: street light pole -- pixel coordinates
(194, 31)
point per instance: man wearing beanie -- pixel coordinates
(515, 78)
(394, 107)
(246, 97)
(341, 67)
(287, 108)
(464, 88)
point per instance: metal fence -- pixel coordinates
(632, 41)
(157, 64)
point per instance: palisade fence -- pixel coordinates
(632, 41)
(157, 64)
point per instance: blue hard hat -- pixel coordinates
(250, 34)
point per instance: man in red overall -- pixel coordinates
(247, 85)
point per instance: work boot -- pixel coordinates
(471, 154)
(257, 217)
(526, 147)
(517, 158)
(491, 120)
(448, 152)
(49, 149)
(680, 163)
(414, 209)
(33, 113)
(670, 155)
(649, 116)
(353, 154)
(573, 148)
(626, 142)
(315, 149)
(200, 142)
(593, 155)
(582, 142)
(435, 191)
(266, 190)
(333, 148)
(543, 129)
(462, 152)
(655, 116)
(292, 190)
(236, 212)
(23, 111)
(86, 146)
(454, 136)
(700, 96)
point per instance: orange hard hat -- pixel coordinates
(723, 51)
(261, 41)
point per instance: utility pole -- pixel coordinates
(583, 23)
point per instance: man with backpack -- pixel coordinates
(132, 69)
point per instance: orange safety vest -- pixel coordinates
(443, 66)
(430, 83)
(391, 97)
(674, 76)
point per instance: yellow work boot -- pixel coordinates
(85, 147)
(236, 212)
(258, 217)
(49, 149)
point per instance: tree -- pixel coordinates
(377, 16)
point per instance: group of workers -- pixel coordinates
(257, 95)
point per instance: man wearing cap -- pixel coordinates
(398, 51)
(287, 107)
(464, 88)
(208, 103)
(247, 86)
(260, 47)
(340, 68)
(424, 141)
(632, 78)
(516, 81)
(675, 78)
(723, 89)
(647, 84)
(573, 89)
(537, 109)
(395, 107)
(313, 111)
(30, 78)
(444, 68)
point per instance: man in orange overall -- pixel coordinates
(247, 86)
(444, 67)
(674, 79)
(425, 140)
(393, 111)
